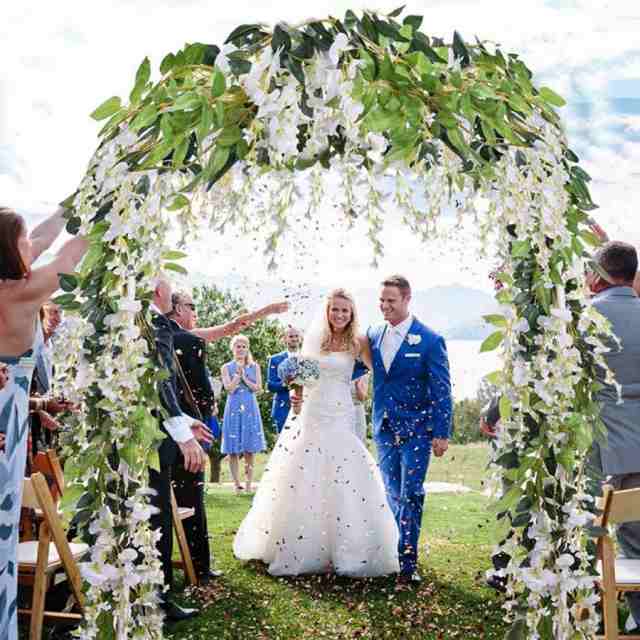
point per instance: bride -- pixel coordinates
(321, 505)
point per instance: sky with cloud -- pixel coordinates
(60, 60)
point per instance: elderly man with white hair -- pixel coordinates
(183, 433)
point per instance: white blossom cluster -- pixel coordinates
(533, 199)
(124, 573)
(120, 565)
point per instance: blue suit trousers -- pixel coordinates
(403, 464)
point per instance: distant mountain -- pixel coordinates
(454, 311)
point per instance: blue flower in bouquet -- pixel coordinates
(299, 371)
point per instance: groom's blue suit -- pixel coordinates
(411, 406)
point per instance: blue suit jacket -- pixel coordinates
(281, 403)
(414, 396)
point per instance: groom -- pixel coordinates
(412, 411)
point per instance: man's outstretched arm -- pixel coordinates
(211, 334)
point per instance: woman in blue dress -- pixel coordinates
(23, 291)
(242, 432)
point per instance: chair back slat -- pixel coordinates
(29, 499)
(48, 464)
(622, 506)
(56, 467)
(50, 513)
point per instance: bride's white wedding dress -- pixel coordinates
(321, 504)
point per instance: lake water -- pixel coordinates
(468, 366)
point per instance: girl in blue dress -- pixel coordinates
(242, 432)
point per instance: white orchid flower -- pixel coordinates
(339, 45)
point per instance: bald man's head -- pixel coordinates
(162, 294)
(292, 338)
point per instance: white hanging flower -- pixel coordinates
(339, 45)
(222, 60)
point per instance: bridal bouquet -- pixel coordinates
(296, 371)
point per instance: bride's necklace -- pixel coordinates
(338, 344)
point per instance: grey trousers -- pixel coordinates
(628, 536)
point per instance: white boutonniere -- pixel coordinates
(414, 339)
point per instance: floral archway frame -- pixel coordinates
(239, 135)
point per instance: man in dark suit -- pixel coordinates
(281, 402)
(183, 433)
(198, 400)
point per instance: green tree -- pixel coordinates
(216, 306)
(466, 419)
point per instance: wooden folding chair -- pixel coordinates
(186, 564)
(39, 560)
(617, 575)
(48, 464)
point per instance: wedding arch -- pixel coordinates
(239, 135)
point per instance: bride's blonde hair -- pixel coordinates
(351, 330)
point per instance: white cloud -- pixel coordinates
(60, 60)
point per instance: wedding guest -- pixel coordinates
(182, 435)
(616, 459)
(489, 425)
(196, 399)
(359, 393)
(43, 423)
(23, 290)
(242, 432)
(4, 379)
(281, 402)
(4, 375)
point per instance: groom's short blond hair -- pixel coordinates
(400, 282)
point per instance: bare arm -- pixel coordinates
(230, 384)
(365, 351)
(45, 234)
(211, 334)
(362, 388)
(256, 386)
(44, 281)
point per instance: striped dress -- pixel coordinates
(14, 425)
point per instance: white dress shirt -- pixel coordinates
(392, 340)
(178, 427)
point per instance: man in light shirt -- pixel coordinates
(412, 411)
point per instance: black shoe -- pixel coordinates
(498, 583)
(210, 575)
(176, 613)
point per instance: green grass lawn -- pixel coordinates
(452, 602)
(462, 464)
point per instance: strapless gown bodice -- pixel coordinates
(328, 402)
